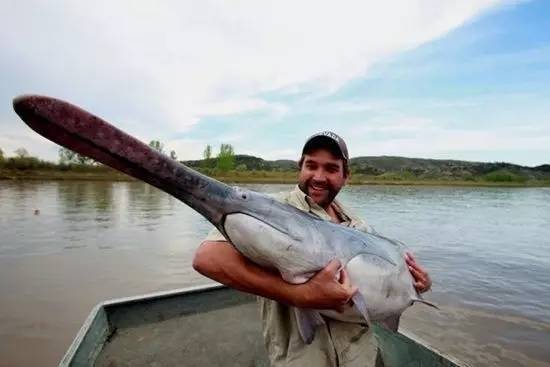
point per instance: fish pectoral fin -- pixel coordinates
(391, 323)
(422, 300)
(361, 305)
(307, 321)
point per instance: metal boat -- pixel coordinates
(204, 326)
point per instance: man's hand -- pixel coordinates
(422, 281)
(328, 289)
(220, 261)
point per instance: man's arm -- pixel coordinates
(220, 261)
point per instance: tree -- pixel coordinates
(67, 156)
(1, 156)
(157, 145)
(226, 158)
(173, 155)
(21, 153)
(207, 154)
(82, 159)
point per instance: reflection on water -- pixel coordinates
(486, 248)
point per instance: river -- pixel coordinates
(65, 246)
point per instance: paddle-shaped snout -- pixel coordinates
(89, 135)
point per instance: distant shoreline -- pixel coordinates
(259, 177)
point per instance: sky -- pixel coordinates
(461, 80)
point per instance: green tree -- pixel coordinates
(157, 145)
(21, 153)
(173, 155)
(226, 158)
(67, 156)
(1, 156)
(207, 154)
(83, 160)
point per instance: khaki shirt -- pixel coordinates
(336, 343)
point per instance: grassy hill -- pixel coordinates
(245, 162)
(365, 170)
(389, 168)
(447, 169)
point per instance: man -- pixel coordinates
(324, 171)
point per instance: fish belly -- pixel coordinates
(270, 247)
(382, 285)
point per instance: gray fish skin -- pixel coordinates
(298, 245)
(268, 232)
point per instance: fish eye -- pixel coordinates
(242, 193)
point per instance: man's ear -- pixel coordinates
(348, 177)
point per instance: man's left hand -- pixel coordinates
(422, 281)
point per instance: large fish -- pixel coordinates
(268, 232)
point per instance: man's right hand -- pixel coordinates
(220, 261)
(330, 288)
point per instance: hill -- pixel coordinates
(444, 168)
(248, 163)
(392, 167)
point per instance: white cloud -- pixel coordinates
(186, 148)
(187, 59)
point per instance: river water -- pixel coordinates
(65, 246)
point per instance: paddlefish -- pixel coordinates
(270, 233)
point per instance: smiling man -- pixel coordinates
(324, 171)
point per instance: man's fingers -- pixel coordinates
(422, 281)
(417, 275)
(344, 278)
(412, 262)
(410, 256)
(333, 266)
(416, 265)
(349, 301)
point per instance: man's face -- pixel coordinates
(321, 176)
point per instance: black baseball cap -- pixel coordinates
(325, 139)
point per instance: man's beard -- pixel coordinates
(329, 194)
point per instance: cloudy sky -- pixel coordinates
(435, 79)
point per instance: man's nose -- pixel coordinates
(319, 175)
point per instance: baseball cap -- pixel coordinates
(324, 139)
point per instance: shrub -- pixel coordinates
(503, 175)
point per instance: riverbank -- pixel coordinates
(61, 175)
(262, 177)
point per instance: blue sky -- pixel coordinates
(430, 79)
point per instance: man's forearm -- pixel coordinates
(220, 261)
